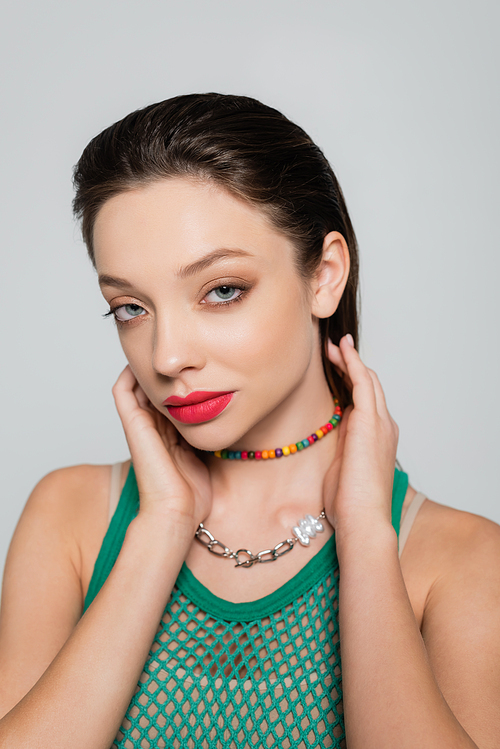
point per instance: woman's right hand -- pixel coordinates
(170, 478)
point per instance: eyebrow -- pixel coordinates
(187, 271)
(213, 257)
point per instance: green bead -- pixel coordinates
(300, 446)
(251, 455)
(223, 454)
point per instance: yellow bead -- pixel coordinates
(265, 454)
(286, 450)
(319, 434)
(293, 448)
(272, 453)
(217, 453)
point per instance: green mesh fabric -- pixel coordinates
(265, 673)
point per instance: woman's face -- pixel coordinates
(207, 298)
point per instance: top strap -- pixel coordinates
(127, 509)
(409, 519)
(114, 489)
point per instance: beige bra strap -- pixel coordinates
(114, 491)
(411, 514)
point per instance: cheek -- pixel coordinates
(270, 341)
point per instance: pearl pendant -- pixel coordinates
(307, 529)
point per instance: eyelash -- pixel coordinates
(243, 290)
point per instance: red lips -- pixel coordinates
(200, 406)
(197, 407)
(197, 396)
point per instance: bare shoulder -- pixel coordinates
(448, 535)
(68, 486)
(74, 502)
(73, 497)
(463, 544)
(446, 544)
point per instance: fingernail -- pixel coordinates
(350, 340)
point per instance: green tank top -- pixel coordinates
(265, 673)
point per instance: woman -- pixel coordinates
(227, 257)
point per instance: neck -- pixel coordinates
(279, 489)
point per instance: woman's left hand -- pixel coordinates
(358, 484)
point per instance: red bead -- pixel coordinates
(244, 455)
(258, 455)
(311, 440)
(329, 426)
(338, 410)
(324, 429)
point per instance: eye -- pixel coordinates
(224, 294)
(127, 312)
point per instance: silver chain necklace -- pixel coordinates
(306, 529)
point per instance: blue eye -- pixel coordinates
(225, 293)
(128, 309)
(134, 310)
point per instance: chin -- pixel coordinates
(207, 445)
(210, 442)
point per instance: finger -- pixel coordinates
(333, 473)
(167, 429)
(342, 433)
(142, 398)
(363, 390)
(335, 355)
(337, 359)
(379, 393)
(130, 399)
(139, 425)
(129, 395)
(123, 393)
(382, 409)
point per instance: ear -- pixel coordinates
(330, 280)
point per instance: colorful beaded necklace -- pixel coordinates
(287, 449)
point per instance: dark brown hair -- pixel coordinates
(252, 151)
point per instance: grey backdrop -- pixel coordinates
(402, 97)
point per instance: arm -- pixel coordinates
(81, 696)
(442, 688)
(401, 690)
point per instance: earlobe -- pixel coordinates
(332, 275)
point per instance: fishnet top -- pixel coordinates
(265, 673)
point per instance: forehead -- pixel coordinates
(177, 220)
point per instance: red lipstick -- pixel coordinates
(199, 406)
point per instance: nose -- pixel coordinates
(176, 347)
